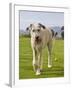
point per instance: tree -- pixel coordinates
(62, 28)
(62, 33)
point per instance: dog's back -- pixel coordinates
(46, 36)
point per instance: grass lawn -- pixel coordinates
(25, 60)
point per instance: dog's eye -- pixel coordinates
(33, 30)
(38, 30)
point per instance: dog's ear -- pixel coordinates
(30, 25)
(41, 25)
(29, 28)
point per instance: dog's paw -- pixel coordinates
(49, 66)
(38, 72)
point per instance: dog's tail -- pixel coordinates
(54, 34)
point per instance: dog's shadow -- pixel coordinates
(53, 71)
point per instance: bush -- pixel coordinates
(62, 34)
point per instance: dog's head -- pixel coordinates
(36, 31)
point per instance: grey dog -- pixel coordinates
(41, 37)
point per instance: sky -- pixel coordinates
(46, 18)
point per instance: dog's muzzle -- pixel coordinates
(37, 39)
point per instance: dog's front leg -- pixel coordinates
(35, 66)
(40, 61)
(38, 72)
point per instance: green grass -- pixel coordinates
(25, 60)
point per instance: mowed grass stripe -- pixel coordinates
(25, 60)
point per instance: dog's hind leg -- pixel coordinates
(49, 54)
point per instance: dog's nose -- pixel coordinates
(37, 37)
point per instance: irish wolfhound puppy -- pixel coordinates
(41, 36)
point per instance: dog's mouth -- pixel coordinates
(38, 41)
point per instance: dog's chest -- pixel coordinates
(38, 47)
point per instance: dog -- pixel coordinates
(41, 36)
